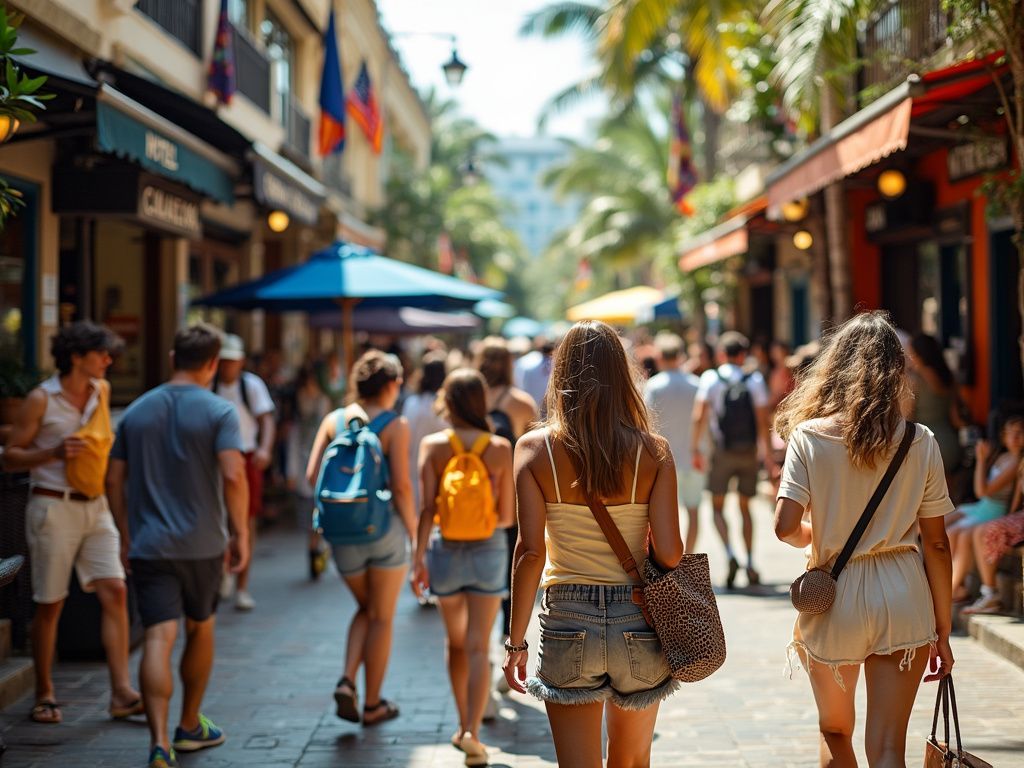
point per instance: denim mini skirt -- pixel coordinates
(596, 646)
(477, 567)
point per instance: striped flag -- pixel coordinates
(332, 96)
(682, 175)
(220, 78)
(362, 105)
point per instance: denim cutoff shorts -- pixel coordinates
(389, 551)
(596, 646)
(477, 567)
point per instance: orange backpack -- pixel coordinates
(465, 499)
(87, 471)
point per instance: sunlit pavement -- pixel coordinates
(276, 669)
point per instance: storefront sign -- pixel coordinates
(277, 192)
(128, 193)
(875, 219)
(162, 208)
(983, 156)
(122, 135)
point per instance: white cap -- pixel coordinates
(232, 347)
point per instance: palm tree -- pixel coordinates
(643, 42)
(817, 46)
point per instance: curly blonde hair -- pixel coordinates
(860, 381)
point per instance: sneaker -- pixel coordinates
(161, 758)
(984, 604)
(206, 734)
(734, 568)
(227, 586)
(244, 601)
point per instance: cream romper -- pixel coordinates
(883, 603)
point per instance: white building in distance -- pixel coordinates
(517, 178)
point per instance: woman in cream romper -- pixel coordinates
(892, 611)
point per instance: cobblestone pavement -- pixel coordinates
(276, 668)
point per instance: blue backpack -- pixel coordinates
(353, 500)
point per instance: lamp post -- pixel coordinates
(455, 68)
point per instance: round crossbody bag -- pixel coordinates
(815, 590)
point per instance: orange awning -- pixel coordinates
(721, 242)
(844, 151)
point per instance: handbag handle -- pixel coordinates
(894, 466)
(945, 699)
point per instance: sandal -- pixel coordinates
(390, 712)
(47, 712)
(128, 710)
(346, 701)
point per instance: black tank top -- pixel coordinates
(501, 421)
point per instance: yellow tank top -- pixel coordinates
(578, 552)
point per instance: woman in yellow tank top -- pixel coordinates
(598, 658)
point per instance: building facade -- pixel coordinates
(143, 193)
(516, 173)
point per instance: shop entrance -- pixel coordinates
(1005, 321)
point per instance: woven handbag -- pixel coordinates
(679, 604)
(815, 590)
(938, 754)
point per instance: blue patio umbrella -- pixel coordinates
(346, 275)
(522, 326)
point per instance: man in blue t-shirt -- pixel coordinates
(176, 480)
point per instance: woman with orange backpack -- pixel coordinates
(467, 491)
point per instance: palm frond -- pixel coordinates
(558, 19)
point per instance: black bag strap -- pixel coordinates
(876, 499)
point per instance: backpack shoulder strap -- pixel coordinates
(481, 444)
(380, 422)
(244, 391)
(457, 447)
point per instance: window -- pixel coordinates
(180, 18)
(281, 50)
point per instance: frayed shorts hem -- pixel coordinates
(578, 696)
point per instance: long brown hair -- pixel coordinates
(860, 380)
(464, 395)
(494, 361)
(595, 407)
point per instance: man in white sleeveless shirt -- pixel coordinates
(66, 528)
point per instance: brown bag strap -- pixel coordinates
(614, 537)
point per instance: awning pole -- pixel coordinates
(348, 334)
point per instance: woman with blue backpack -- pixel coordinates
(468, 493)
(359, 467)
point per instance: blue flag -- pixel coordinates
(332, 96)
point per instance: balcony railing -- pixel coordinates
(299, 126)
(180, 18)
(253, 75)
(334, 175)
(899, 37)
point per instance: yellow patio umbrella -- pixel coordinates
(617, 307)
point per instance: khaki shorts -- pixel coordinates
(64, 534)
(725, 465)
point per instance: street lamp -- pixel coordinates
(455, 68)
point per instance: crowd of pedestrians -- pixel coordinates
(474, 482)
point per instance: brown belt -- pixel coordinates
(73, 495)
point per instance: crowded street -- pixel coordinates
(275, 668)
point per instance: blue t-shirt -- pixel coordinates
(170, 438)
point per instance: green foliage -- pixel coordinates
(15, 379)
(20, 97)
(422, 203)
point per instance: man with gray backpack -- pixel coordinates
(735, 403)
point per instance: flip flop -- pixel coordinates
(390, 712)
(345, 701)
(46, 712)
(128, 710)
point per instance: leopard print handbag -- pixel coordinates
(679, 605)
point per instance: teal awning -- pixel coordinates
(127, 129)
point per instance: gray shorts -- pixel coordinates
(725, 465)
(389, 551)
(596, 646)
(477, 567)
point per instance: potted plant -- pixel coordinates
(15, 383)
